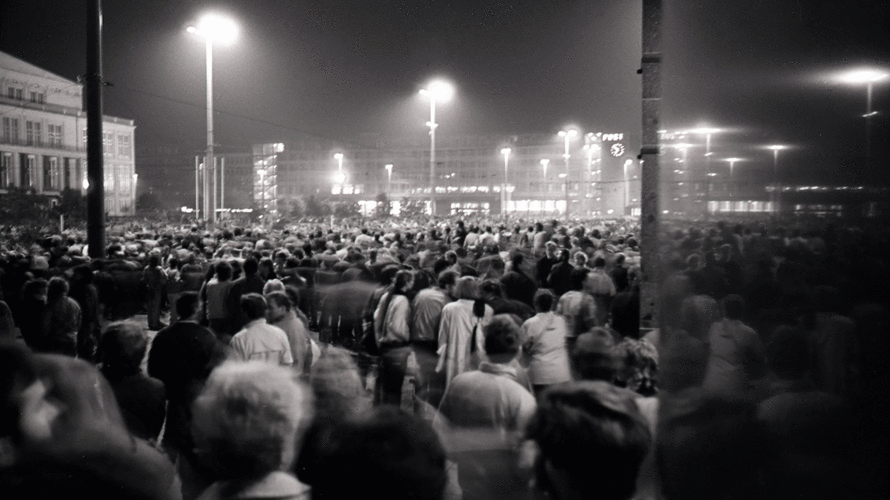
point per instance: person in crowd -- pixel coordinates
(737, 354)
(393, 333)
(141, 398)
(517, 283)
(543, 340)
(220, 318)
(461, 343)
(426, 316)
(339, 395)
(33, 305)
(259, 340)
(87, 297)
(577, 307)
(251, 282)
(636, 366)
(833, 345)
(602, 288)
(281, 313)
(545, 264)
(486, 412)
(61, 319)
(625, 312)
(62, 434)
(154, 280)
(619, 273)
(182, 356)
(590, 442)
(248, 425)
(409, 462)
(560, 274)
(492, 292)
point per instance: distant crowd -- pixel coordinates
(449, 358)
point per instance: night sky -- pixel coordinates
(761, 69)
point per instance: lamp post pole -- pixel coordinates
(506, 194)
(545, 184)
(567, 135)
(777, 190)
(440, 91)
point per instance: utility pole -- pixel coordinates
(95, 159)
(649, 156)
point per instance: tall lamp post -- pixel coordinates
(706, 131)
(388, 168)
(506, 195)
(869, 77)
(732, 162)
(339, 177)
(568, 135)
(442, 92)
(777, 190)
(544, 163)
(213, 28)
(135, 179)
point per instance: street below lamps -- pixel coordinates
(212, 28)
(436, 91)
(568, 135)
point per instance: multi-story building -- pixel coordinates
(472, 173)
(43, 139)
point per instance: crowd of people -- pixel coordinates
(447, 359)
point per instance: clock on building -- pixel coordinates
(617, 150)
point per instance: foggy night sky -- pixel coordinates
(338, 68)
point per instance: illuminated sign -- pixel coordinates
(613, 137)
(617, 150)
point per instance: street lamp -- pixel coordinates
(732, 162)
(505, 195)
(388, 168)
(213, 28)
(869, 77)
(135, 179)
(777, 190)
(568, 135)
(706, 131)
(442, 92)
(339, 177)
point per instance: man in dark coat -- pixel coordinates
(251, 282)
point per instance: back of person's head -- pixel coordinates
(619, 259)
(254, 306)
(501, 339)
(394, 454)
(279, 298)
(491, 287)
(599, 262)
(337, 385)
(273, 285)
(467, 288)
(57, 287)
(591, 439)
(787, 354)
(223, 270)
(248, 420)
(250, 265)
(636, 366)
(543, 300)
(447, 279)
(187, 304)
(697, 314)
(577, 278)
(516, 261)
(122, 348)
(734, 306)
(592, 357)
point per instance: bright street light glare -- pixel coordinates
(338, 156)
(570, 133)
(339, 178)
(703, 130)
(733, 160)
(506, 151)
(439, 90)
(777, 147)
(865, 75)
(217, 28)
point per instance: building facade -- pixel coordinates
(492, 174)
(43, 138)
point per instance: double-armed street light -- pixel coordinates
(568, 135)
(212, 28)
(440, 91)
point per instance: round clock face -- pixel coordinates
(617, 149)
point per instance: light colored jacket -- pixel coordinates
(543, 340)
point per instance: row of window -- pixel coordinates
(55, 137)
(57, 173)
(18, 94)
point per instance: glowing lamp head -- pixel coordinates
(568, 133)
(777, 147)
(506, 151)
(438, 90)
(216, 28)
(338, 156)
(864, 75)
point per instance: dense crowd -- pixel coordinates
(449, 358)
